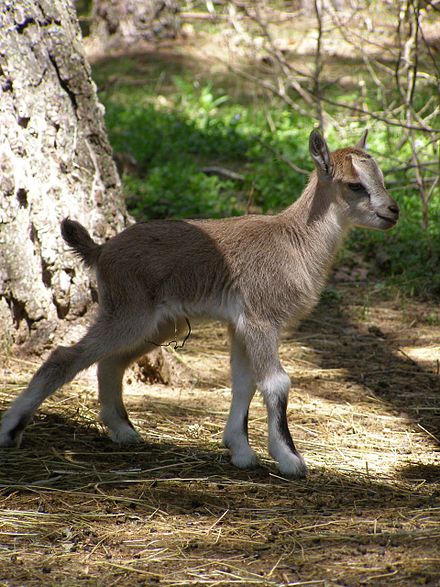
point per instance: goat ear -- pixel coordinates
(362, 144)
(320, 153)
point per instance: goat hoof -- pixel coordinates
(293, 466)
(245, 459)
(9, 441)
(125, 436)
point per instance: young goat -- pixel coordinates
(254, 272)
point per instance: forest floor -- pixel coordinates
(364, 411)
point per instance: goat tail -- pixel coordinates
(80, 241)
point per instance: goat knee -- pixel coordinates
(274, 387)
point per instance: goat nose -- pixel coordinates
(394, 209)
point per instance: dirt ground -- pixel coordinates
(364, 410)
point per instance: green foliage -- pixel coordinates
(172, 139)
(179, 187)
(177, 125)
(413, 252)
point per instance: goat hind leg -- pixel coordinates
(113, 413)
(110, 377)
(110, 382)
(63, 364)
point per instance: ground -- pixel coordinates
(364, 411)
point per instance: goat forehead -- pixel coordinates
(368, 171)
(352, 165)
(342, 160)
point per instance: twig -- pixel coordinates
(282, 157)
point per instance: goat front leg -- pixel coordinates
(274, 384)
(235, 436)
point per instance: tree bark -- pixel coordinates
(55, 161)
(121, 23)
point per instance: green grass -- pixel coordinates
(177, 121)
(195, 128)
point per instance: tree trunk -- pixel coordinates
(120, 23)
(55, 161)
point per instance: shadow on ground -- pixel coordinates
(59, 453)
(370, 353)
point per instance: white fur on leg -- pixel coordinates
(234, 438)
(290, 462)
(244, 458)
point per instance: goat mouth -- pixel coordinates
(390, 221)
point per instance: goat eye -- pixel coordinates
(356, 187)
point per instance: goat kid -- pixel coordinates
(254, 272)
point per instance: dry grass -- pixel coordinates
(76, 510)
